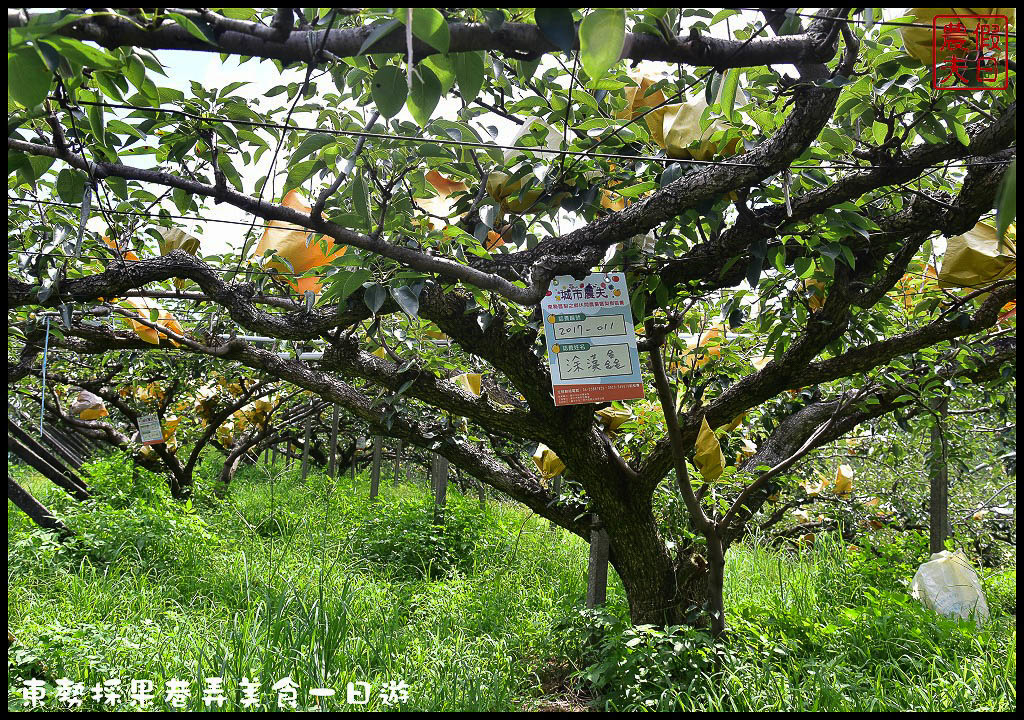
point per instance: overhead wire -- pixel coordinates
(476, 144)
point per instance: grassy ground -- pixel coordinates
(312, 582)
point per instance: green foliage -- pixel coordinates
(602, 34)
(130, 513)
(829, 629)
(1001, 592)
(398, 533)
(389, 90)
(286, 582)
(283, 577)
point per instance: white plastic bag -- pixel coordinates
(948, 585)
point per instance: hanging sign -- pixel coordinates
(150, 430)
(360, 443)
(590, 338)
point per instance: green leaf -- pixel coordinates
(803, 267)
(557, 26)
(297, 173)
(732, 81)
(495, 19)
(712, 88)
(352, 282)
(119, 185)
(389, 90)
(70, 185)
(428, 25)
(757, 255)
(407, 299)
(95, 113)
(51, 58)
(374, 297)
(879, 131)
(961, 134)
(360, 201)
(80, 55)
(791, 24)
(426, 91)
(310, 144)
(136, 72)
(200, 30)
(28, 80)
(442, 67)
(602, 35)
(379, 31)
(469, 73)
(1006, 203)
(636, 190)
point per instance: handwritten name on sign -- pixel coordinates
(588, 325)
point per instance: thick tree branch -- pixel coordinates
(517, 40)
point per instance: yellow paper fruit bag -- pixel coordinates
(815, 486)
(470, 382)
(747, 449)
(639, 99)
(709, 458)
(681, 131)
(814, 290)
(226, 433)
(695, 357)
(508, 192)
(547, 462)
(144, 308)
(296, 245)
(170, 422)
(123, 252)
(912, 285)
(612, 417)
(735, 423)
(204, 402)
(920, 41)
(442, 204)
(843, 484)
(149, 393)
(89, 406)
(977, 258)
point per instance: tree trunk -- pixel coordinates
(639, 556)
(938, 472)
(660, 590)
(228, 470)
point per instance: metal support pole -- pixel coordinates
(399, 446)
(440, 489)
(375, 468)
(306, 441)
(334, 442)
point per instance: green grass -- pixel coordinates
(828, 628)
(314, 582)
